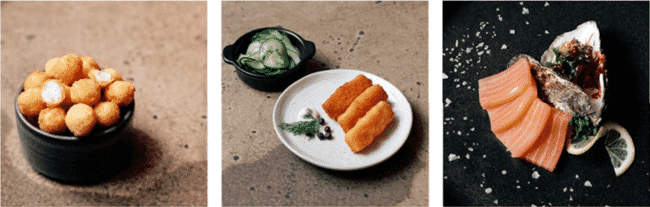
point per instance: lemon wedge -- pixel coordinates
(619, 146)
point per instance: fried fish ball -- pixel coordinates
(113, 73)
(52, 120)
(120, 92)
(30, 102)
(50, 63)
(88, 64)
(68, 69)
(108, 114)
(53, 93)
(101, 77)
(80, 119)
(36, 79)
(85, 91)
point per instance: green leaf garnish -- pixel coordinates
(582, 128)
(302, 127)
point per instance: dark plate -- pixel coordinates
(263, 82)
(490, 176)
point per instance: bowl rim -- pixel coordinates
(284, 30)
(128, 115)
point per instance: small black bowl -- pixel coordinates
(263, 82)
(67, 158)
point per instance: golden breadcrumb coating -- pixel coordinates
(68, 69)
(30, 102)
(80, 119)
(36, 79)
(120, 92)
(88, 64)
(85, 91)
(108, 114)
(52, 120)
(339, 101)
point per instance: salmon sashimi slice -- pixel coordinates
(505, 86)
(548, 148)
(509, 114)
(522, 136)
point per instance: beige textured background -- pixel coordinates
(161, 48)
(259, 170)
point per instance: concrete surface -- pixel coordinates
(161, 48)
(259, 170)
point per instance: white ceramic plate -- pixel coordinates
(310, 92)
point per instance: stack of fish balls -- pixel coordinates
(74, 94)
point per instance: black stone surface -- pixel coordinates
(624, 34)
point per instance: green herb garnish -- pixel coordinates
(309, 128)
(568, 63)
(582, 128)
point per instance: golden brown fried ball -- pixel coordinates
(52, 120)
(85, 91)
(30, 102)
(68, 69)
(108, 114)
(80, 119)
(88, 64)
(101, 77)
(50, 63)
(53, 93)
(113, 73)
(36, 79)
(120, 92)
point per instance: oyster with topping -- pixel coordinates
(576, 56)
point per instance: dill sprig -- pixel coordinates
(582, 128)
(309, 128)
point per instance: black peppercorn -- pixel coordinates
(321, 121)
(321, 136)
(327, 129)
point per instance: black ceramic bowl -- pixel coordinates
(67, 158)
(263, 82)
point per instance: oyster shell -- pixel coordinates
(576, 56)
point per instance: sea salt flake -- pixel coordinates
(533, 205)
(464, 117)
(545, 4)
(457, 85)
(545, 31)
(472, 129)
(444, 76)
(445, 177)
(470, 149)
(497, 9)
(483, 156)
(512, 31)
(496, 201)
(480, 53)
(488, 190)
(469, 49)
(517, 181)
(504, 172)
(467, 156)
(447, 102)
(453, 157)
(481, 185)
(518, 187)
(504, 46)
(564, 189)
(525, 11)
(588, 184)
(483, 174)
(459, 133)
(521, 3)
(577, 177)
(478, 34)
(500, 18)
(456, 44)
(480, 44)
(571, 189)
(570, 198)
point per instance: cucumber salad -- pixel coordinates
(270, 53)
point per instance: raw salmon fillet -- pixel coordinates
(362, 104)
(369, 126)
(511, 113)
(519, 138)
(505, 86)
(339, 101)
(548, 148)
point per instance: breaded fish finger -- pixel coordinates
(339, 101)
(362, 104)
(369, 126)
